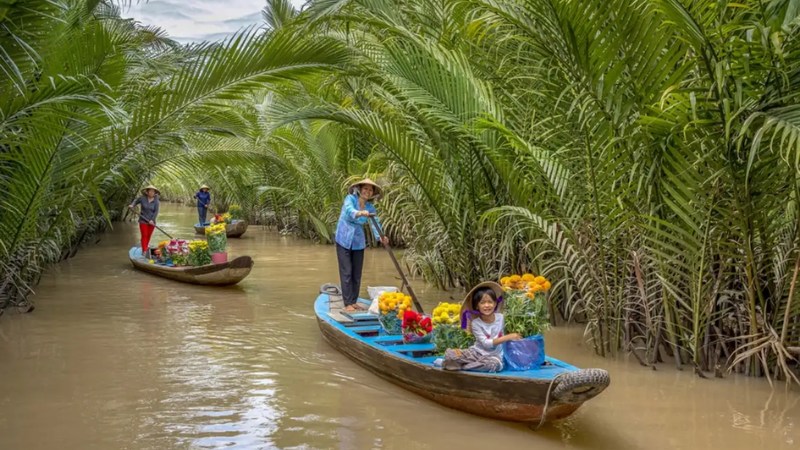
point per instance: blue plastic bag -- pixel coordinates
(524, 354)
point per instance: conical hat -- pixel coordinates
(150, 186)
(377, 191)
(205, 187)
(466, 305)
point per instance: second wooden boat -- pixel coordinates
(224, 274)
(234, 229)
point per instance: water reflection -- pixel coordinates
(115, 358)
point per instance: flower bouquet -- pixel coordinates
(525, 313)
(447, 331)
(198, 253)
(178, 250)
(217, 241)
(392, 305)
(235, 211)
(416, 327)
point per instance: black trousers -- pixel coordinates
(350, 264)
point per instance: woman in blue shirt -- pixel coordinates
(351, 240)
(203, 200)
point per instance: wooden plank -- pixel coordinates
(363, 323)
(387, 339)
(411, 348)
(361, 316)
(339, 317)
(367, 329)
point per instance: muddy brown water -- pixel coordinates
(113, 358)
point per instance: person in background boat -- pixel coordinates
(479, 315)
(203, 197)
(351, 240)
(148, 213)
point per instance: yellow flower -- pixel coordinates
(536, 288)
(540, 279)
(514, 279)
(546, 286)
(528, 277)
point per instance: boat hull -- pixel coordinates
(497, 396)
(232, 230)
(225, 274)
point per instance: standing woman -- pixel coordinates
(203, 201)
(148, 203)
(351, 240)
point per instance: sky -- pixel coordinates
(199, 20)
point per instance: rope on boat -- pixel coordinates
(547, 399)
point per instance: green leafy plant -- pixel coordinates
(451, 336)
(524, 315)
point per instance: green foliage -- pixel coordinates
(451, 336)
(643, 154)
(199, 257)
(524, 315)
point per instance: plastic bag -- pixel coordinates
(375, 292)
(524, 354)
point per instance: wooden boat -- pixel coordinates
(234, 229)
(224, 274)
(551, 392)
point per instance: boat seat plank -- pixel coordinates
(387, 339)
(339, 317)
(366, 329)
(362, 323)
(411, 348)
(361, 316)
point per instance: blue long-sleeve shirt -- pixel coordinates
(350, 229)
(203, 198)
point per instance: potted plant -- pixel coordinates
(178, 252)
(525, 313)
(198, 253)
(235, 211)
(217, 241)
(416, 327)
(447, 331)
(392, 305)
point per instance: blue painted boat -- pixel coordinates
(550, 392)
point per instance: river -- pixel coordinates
(113, 358)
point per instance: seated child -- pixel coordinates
(479, 315)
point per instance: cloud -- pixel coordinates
(199, 20)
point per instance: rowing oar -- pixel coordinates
(157, 227)
(397, 265)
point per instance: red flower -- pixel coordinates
(426, 323)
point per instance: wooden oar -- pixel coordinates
(397, 266)
(157, 227)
